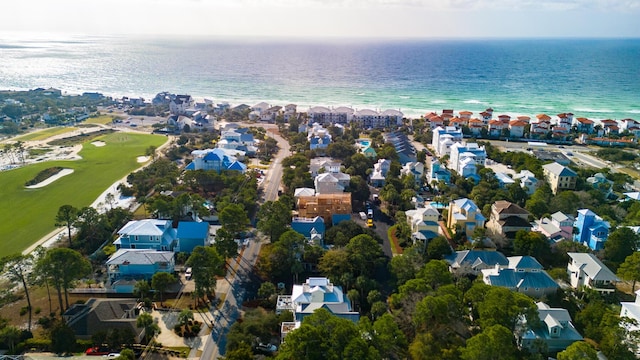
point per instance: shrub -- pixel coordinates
(24, 310)
(37, 310)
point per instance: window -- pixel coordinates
(135, 238)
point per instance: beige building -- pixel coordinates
(464, 214)
(559, 177)
(507, 218)
(324, 205)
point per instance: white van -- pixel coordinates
(363, 216)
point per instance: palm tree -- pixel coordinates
(145, 321)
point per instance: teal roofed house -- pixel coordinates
(524, 274)
(555, 330)
(191, 234)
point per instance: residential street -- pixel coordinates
(234, 289)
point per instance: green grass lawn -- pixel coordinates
(29, 214)
(45, 134)
(102, 119)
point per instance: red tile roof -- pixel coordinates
(584, 121)
(543, 117)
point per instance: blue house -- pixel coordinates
(216, 160)
(438, 173)
(138, 264)
(147, 234)
(312, 229)
(524, 274)
(191, 234)
(592, 231)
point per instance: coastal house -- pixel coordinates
(523, 274)
(152, 234)
(304, 192)
(191, 234)
(333, 208)
(504, 179)
(556, 228)
(631, 311)
(554, 330)
(331, 183)
(437, 172)
(516, 128)
(179, 104)
(600, 182)
(405, 150)
(476, 126)
(465, 157)
(313, 229)
(139, 264)
(100, 315)
(423, 222)
(217, 160)
(496, 127)
(609, 127)
(464, 214)
(434, 120)
(630, 125)
(559, 177)
(414, 169)
(289, 111)
(322, 165)
(584, 125)
(315, 293)
(458, 123)
(528, 181)
(380, 170)
(586, 269)
(447, 134)
(319, 138)
(506, 219)
(591, 229)
(472, 262)
(465, 115)
(270, 114)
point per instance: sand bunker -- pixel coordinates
(142, 159)
(99, 143)
(63, 172)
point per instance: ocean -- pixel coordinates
(592, 78)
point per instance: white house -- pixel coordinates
(528, 181)
(586, 269)
(321, 165)
(464, 154)
(452, 134)
(331, 183)
(415, 169)
(423, 222)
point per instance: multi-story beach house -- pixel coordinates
(321, 165)
(443, 138)
(507, 218)
(179, 104)
(138, 264)
(465, 157)
(215, 159)
(414, 169)
(379, 173)
(152, 234)
(315, 293)
(554, 331)
(405, 150)
(437, 172)
(434, 120)
(313, 229)
(591, 229)
(559, 177)
(528, 181)
(319, 138)
(367, 118)
(516, 128)
(524, 274)
(464, 214)
(474, 261)
(586, 269)
(331, 183)
(556, 228)
(423, 222)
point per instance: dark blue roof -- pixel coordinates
(211, 156)
(193, 230)
(246, 137)
(191, 166)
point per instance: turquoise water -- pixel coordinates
(591, 78)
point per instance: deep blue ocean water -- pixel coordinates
(592, 78)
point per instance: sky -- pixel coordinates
(327, 18)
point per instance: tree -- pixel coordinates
(436, 273)
(630, 269)
(493, 343)
(531, 243)
(273, 219)
(62, 267)
(364, 254)
(226, 244)
(63, 340)
(141, 288)
(146, 322)
(621, 243)
(234, 218)
(242, 352)
(207, 264)
(185, 316)
(17, 268)
(127, 354)
(579, 350)
(161, 281)
(10, 336)
(266, 290)
(66, 216)
(502, 306)
(388, 339)
(438, 248)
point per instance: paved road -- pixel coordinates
(230, 310)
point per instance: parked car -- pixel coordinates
(370, 223)
(188, 273)
(363, 216)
